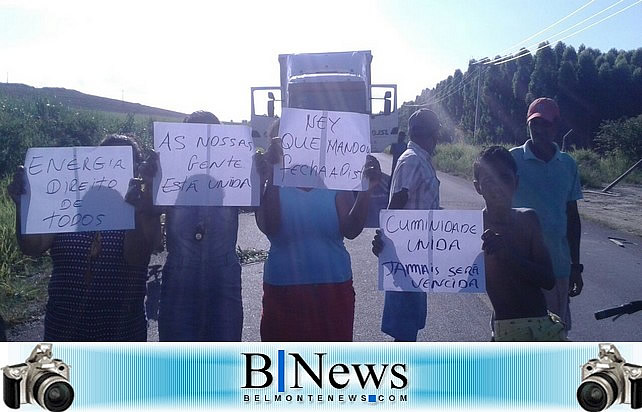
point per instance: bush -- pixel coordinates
(622, 138)
(597, 171)
(588, 164)
(22, 279)
(457, 158)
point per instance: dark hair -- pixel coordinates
(122, 140)
(202, 116)
(423, 122)
(493, 157)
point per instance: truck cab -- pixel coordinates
(338, 81)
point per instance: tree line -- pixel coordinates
(596, 93)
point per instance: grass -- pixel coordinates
(456, 159)
(23, 280)
(595, 171)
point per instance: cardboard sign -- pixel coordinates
(205, 165)
(432, 251)
(323, 149)
(77, 189)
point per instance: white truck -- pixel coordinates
(337, 81)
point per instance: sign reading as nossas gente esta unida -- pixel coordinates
(205, 165)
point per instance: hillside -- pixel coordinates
(78, 100)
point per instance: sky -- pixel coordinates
(205, 55)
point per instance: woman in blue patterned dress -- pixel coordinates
(98, 283)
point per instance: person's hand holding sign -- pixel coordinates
(495, 244)
(265, 161)
(139, 192)
(372, 172)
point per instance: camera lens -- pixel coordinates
(53, 392)
(592, 396)
(58, 396)
(597, 392)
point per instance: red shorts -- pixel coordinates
(308, 313)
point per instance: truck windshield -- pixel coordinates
(336, 96)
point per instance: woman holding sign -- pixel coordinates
(307, 281)
(98, 284)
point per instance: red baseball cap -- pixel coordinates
(545, 108)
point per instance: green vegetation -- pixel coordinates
(595, 171)
(593, 89)
(36, 122)
(22, 280)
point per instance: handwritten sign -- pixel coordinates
(205, 165)
(323, 149)
(77, 189)
(432, 251)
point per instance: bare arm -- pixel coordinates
(354, 212)
(537, 268)
(573, 230)
(573, 235)
(140, 243)
(268, 214)
(32, 245)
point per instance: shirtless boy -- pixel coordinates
(518, 265)
(517, 262)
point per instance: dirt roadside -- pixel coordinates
(622, 211)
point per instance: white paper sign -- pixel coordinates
(77, 189)
(323, 149)
(432, 251)
(205, 165)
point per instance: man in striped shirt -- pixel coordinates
(414, 186)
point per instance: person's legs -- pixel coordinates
(221, 307)
(176, 315)
(308, 313)
(404, 314)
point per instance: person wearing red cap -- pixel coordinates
(549, 182)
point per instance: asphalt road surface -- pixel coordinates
(613, 276)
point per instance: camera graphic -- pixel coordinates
(608, 380)
(41, 379)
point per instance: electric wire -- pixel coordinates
(575, 32)
(514, 46)
(503, 59)
(460, 87)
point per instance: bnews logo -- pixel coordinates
(293, 371)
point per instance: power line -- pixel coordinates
(460, 87)
(502, 58)
(577, 31)
(505, 51)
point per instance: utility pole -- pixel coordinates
(477, 103)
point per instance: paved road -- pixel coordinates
(613, 276)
